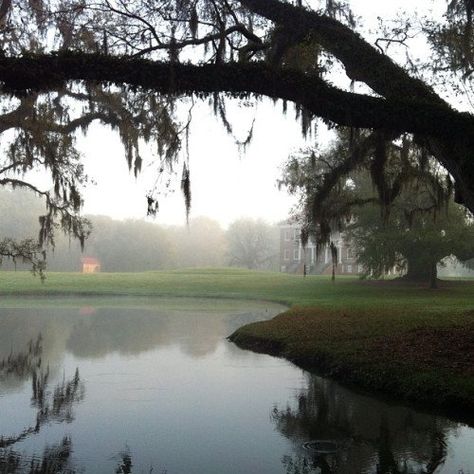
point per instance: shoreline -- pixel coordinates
(429, 389)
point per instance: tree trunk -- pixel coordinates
(433, 275)
(422, 271)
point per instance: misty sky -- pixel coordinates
(226, 184)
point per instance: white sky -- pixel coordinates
(225, 184)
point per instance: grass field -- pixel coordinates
(346, 292)
(410, 341)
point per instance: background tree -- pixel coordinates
(128, 245)
(201, 243)
(39, 130)
(415, 248)
(44, 137)
(120, 245)
(18, 214)
(407, 220)
(253, 244)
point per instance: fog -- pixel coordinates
(227, 182)
(134, 245)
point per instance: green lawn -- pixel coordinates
(292, 290)
(407, 340)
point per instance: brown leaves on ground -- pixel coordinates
(390, 338)
(450, 348)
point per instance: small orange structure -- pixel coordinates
(90, 265)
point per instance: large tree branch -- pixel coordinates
(45, 72)
(449, 133)
(199, 41)
(21, 118)
(362, 61)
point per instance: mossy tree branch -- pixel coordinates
(46, 72)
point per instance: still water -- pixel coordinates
(141, 386)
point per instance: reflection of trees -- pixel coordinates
(22, 325)
(368, 435)
(55, 405)
(125, 464)
(196, 326)
(51, 405)
(58, 407)
(117, 330)
(197, 330)
(23, 363)
(55, 459)
(127, 332)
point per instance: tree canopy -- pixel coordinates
(126, 64)
(252, 243)
(415, 246)
(407, 220)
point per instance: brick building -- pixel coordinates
(293, 256)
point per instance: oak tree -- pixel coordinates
(127, 64)
(407, 220)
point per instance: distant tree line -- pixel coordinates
(138, 245)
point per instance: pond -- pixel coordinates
(152, 385)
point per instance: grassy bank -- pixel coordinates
(408, 341)
(418, 355)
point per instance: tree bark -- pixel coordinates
(434, 276)
(47, 72)
(362, 61)
(422, 271)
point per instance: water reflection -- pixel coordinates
(55, 459)
(125, 464)
(196, 326)
(58, 407)
(51, 405)
(337, 430)
(23, 363)
(196, 331)
(163, 378)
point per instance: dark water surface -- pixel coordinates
(97, 386)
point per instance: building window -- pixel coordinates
(296, 254)
(296, 235)
(350, 253)
(287, 235)
(349, 268)
(286, 254)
